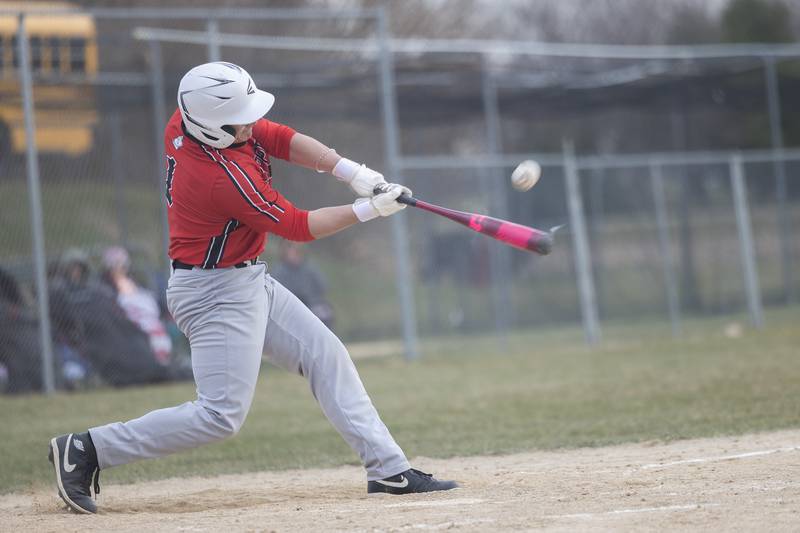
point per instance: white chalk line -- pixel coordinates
(446, 525)
(721, 458)
(439, 503)
(686, 507)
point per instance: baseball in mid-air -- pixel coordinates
(526, 175)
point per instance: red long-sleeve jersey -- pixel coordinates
(221, 204)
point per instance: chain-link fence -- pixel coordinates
(667, 235)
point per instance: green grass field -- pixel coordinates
(468, 396)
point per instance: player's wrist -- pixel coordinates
(327, 161)
(365, 210)
(346, 169)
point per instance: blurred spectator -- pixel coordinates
(304, 280)
(140, 305)
(86, 315)
(20, 352)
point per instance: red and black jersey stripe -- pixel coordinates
(241, 185)
(171, 163)
(216, 247)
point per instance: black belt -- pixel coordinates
(185, 266)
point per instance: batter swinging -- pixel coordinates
(221, 207)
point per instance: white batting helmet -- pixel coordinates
(214, 96)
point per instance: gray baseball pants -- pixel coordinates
(230, 316)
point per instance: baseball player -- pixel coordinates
(221, 209)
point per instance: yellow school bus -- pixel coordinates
(61, 46)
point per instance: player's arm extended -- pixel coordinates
(329, 220)
(310, 153)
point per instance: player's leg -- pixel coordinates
(222, 314)
(299, 342)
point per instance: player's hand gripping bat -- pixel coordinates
(516, 235)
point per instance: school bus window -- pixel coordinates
(14, 51)
(77, 51)
(36, 52)
(55, 54)
(5, 56)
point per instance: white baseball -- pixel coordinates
(526, 175)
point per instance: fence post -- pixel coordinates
(405, 279)
(35, 201)
(159, 121)
(670, 285)
(499, 255)
(746, 248)
(214, 52)
(779, 168)
(596, 229)
(583, 266)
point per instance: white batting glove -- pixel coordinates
(403, 189)
(383, 204)
(361, 178)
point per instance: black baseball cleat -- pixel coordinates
(409, 482)
(77, 473)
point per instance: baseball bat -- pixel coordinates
(511, 233)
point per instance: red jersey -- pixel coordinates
(221, 204)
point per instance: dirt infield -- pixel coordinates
(748, 482)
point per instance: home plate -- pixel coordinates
(441, 503)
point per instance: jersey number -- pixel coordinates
(171, 163)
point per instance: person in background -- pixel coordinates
(86, 314)
(139, 304)
(20, 350)
(304, 280)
